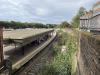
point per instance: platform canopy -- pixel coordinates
(24, 35)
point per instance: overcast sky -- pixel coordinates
(45, 11)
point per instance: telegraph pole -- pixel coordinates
(1, 44)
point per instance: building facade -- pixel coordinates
(90, 21)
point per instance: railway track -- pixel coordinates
(37, 62)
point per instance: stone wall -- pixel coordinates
(89, 55)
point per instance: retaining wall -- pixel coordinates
(89, 55)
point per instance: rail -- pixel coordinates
(24, 60)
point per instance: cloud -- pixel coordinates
(46, 11)
(41, 11)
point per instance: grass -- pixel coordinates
(61, 63)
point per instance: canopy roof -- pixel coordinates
(23, 33)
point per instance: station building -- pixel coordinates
(90, 21)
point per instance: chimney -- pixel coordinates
(1, 44)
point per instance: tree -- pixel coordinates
(64, 24)
(51, 25)
(76, 19)
(17, 25)
(81, 11)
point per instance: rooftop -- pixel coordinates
(20, 34)
(93, 12)
(96, 4)
(97, 10)
(87, 15)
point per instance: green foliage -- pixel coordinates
(62, 63)
(17, 25)
(81, 11)
(64, 24)
(76, 19)
(51, 25)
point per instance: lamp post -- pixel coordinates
(1, 44)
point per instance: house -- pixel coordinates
(90, 21)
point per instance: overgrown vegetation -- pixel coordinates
(62, 62)
(64, 24)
